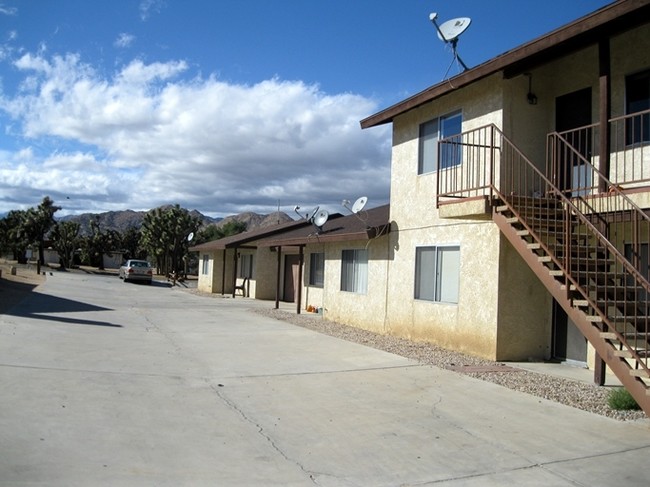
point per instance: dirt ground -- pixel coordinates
(13, 288)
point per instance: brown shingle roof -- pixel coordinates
(361, 226)
(247, 237)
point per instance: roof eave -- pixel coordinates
(616, 17)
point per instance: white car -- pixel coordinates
(136, 270)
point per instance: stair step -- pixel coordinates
(642, 373)
(580, 303)
(523, 233)
(556, 273)
(544, 258)
(608, 335)
(534, 246)
(512, 219)
(594, 319)
(622, 353)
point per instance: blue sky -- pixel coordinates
(225, 106)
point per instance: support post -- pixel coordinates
(605, 108)
(277, 277)
(301, 260)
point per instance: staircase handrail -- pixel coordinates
(579, 214)
(611, 187)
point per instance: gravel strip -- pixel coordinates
(587, 397)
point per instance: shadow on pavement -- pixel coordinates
(39, 306)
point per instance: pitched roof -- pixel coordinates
(364, 225)
(612, 19)
(244, 238)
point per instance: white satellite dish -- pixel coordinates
(360, 204)
(452, 29)
(190, 236)
(449, 32)
(320, 218)
(313, 213)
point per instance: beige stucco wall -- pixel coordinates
(212, 281)
(366, 311)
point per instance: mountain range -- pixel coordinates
(122, 220)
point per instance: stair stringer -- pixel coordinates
(590, 330)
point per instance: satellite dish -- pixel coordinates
(190, 236)
(313, 213)
(360, 204)
(319, 219)
(452, 29)
(449, 32)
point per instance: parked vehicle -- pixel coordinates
(136, 270)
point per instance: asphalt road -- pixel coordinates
(106, 383)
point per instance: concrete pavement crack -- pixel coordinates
(263, 434)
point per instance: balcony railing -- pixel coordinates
(469, 162)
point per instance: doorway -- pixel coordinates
(569, 345)
(572, 174)
(291, 265)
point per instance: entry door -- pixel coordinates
(571, 112)
(291, 264)
(568, 343)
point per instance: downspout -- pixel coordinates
(301, 260)
(277, 277)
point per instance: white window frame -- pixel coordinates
(205, 266)
(439, 282)
(431, 132)
(354, 271)
(317, 269)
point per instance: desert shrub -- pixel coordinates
(620, 399)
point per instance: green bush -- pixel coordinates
(620, 399)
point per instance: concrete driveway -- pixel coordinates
(106, 383)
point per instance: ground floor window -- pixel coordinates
(205, 264)
(354, 271)
(246, 266)
(437, 273)
(316, 269)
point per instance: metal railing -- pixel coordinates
(596, 242)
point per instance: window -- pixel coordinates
(354, 271)
(637, 94)
(316, 269)
(246, 265)
(433, 131)
(205, 267)
(437, 274)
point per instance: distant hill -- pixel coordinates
(122, 220)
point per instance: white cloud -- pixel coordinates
(149, 6)
(145, 137)
(4, 10)
(124, 40)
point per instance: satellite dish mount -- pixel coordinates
(449, 32)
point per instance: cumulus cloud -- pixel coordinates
(152, 134)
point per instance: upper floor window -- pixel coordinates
(437, 274)
(431, 133)
(316, 269)
(205, 267)
(354, 271)
(246, 266)
(637, 99)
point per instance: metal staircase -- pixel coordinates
(584, 245)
